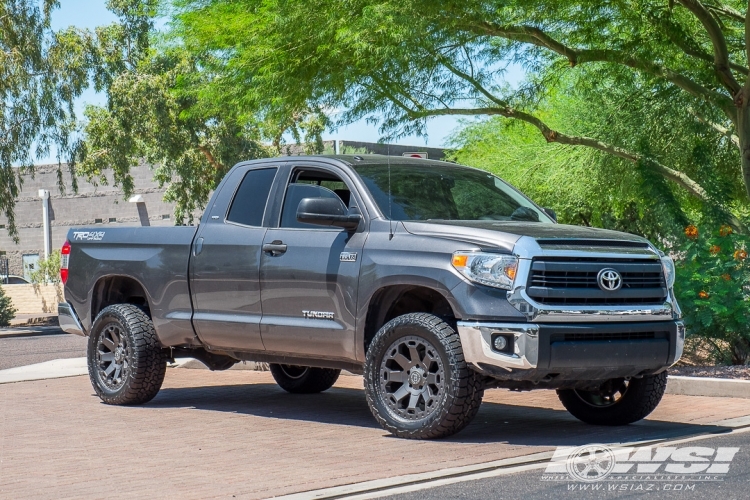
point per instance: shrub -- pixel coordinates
(7, 311)
(713, 289)
(48, 270)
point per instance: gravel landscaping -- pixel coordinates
(735, 372)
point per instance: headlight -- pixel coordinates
(487, 268)
(669, 271)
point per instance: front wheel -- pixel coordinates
(125, 360)
(417, 382)
(617, 401)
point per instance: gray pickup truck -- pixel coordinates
(434, 280)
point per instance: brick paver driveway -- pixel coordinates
(236, 434)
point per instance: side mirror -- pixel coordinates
(326, 212)
(551, 213)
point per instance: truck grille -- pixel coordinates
(573, 281)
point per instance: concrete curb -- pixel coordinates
(57, 368)
(31, 331)
(706, 386)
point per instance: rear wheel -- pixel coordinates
(125, 360)
(617, 401)
(303, 379)
(417, 383)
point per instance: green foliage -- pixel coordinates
(153, 116)
(7, 311)
(592, 188)
(42, 72)
(47, 270)
(400, 63)
(713, 273)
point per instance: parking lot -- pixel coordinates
(236, 434)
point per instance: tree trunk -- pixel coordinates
(743, 132)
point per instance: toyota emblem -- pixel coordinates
(609, 280)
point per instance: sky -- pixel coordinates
(92, 13)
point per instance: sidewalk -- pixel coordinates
(235, 433)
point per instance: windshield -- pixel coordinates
(446, 192)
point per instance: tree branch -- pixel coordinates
(726, 11)
(535, 36)
(473, 81)
(721, 52)
(699, 54)
(550, 135)
(719, 128)
(211, 160)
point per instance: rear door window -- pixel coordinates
(250, 200)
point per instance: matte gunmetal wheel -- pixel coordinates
(126, 363)
(417, 383)
(617, 401)
(112, 353)
(413, 378)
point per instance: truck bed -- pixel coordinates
(156, 257)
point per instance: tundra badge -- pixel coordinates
(348, 257)
(317, 315)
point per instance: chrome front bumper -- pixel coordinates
(68, 319)
(476, 341)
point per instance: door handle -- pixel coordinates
(198, 248)
(275, 248)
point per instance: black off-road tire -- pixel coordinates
(303, 379)
(639, 400)
(146, 359)
(462, 388)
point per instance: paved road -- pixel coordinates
(21, 351)
(236, 433)
(529, 485)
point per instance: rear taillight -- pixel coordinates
(64, 261)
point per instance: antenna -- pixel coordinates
(390, 197)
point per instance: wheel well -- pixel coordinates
(393, 301)
(118, 290)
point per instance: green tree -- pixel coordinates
(159, 111)
(592, 188)
(47, 270)
(7, 311)
(152, 116)
(42, 72)
(408, 61)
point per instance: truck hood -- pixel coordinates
(505, 234)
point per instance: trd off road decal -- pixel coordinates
(88, 235)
